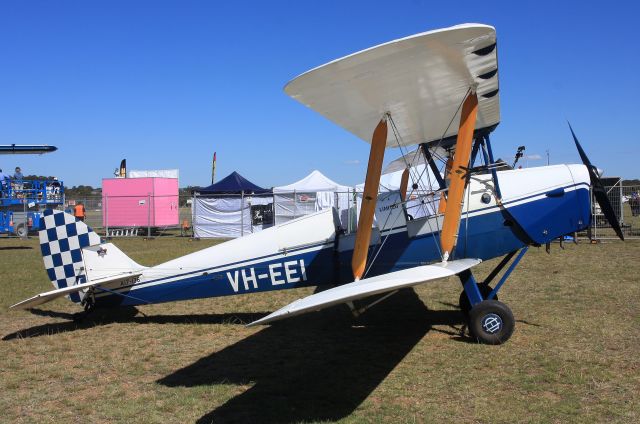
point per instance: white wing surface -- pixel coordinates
(420, 80)
(45, 297)
(369, 287)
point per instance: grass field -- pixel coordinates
(575, 355)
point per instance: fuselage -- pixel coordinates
(537, 205)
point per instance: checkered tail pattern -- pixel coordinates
(62, 238)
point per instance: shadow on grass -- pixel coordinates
(123, 315)
(16, 248)
(316, 367)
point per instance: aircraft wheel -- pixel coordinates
(21, 231)
(465, 305)
(491, 322)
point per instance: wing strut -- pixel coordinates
(404, 183)
(369, 197)
(457, 175)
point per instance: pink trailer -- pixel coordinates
(140, 202)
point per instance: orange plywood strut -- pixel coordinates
(369, 198)
(449, 234)
(404, 183)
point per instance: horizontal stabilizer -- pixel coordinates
(369, 287)
(45, 297)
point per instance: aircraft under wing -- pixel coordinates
(24, 149)
(369, 287)
(413, 158)
(45, 297)
(419, 80)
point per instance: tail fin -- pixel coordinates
(62, 238)
(73, 253)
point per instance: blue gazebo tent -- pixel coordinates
(233, 183)
(232, 207)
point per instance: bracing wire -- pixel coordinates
(417, 180)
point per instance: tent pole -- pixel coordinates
(242, 213)
(295, 204)
(349, 211)
(193, 213)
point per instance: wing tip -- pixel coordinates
(263, 321)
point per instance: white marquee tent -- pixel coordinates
(420, 174)
(313, 193)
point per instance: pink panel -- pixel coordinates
(129, 211)
(127, 186)
(165, 186)
(140, 202)
(166, 210)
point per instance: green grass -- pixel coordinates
(573, 358)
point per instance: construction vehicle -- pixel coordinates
(21, 203)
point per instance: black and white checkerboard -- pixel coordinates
(62, 238)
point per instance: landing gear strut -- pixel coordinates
(465, 305)
(489, 321)
(89, 304)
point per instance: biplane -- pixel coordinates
(436, 92)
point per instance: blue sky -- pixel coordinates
(164, 84)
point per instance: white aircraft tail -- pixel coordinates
(73, 254)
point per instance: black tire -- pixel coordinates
(22, 231)
(465, 305)
(491, 322)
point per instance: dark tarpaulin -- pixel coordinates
(233, 183)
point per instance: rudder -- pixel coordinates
(62, 238)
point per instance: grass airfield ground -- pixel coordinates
(575, 355)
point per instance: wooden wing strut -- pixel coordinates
(369, 198)
(404, 184)
(457, 176)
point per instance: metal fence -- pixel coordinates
(121, 216)
(236, 215)
(625, 200)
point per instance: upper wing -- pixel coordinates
(45, 297)
(420, 80)
(369, 287)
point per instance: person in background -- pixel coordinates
(634, 202)
(18, 184)
(79, 212)
(55, 187)
(3, 182)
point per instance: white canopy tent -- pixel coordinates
(419, 203)
(228, 216)
(313, 193)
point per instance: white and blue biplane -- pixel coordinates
(437, 91)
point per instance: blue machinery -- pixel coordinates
(22, 200)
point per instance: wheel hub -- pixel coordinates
(491, 323)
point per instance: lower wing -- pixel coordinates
(45, 297)
(369, 287)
